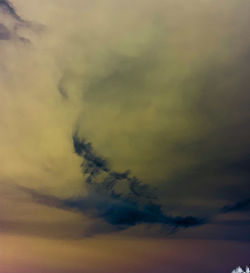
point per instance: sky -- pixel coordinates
(124, 136)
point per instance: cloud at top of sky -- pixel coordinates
(160, 89)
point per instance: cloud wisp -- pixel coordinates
(4, 32)
(11, 23)
(124, 200)
(118, 199)
(9, 9)
(242, 205)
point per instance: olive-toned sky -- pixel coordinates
(124, 136)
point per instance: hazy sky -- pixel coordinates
(124, 136)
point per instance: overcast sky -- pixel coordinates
(124, 136)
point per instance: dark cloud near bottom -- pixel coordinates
(92, 164)
(116, 213)
(8, 8)
(243, 205)
(4, 32)
(119, 200)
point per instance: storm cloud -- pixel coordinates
(124, 119)
(8, 8)
(4, 32)
(243, 205)
(127, 201)
(119, 199)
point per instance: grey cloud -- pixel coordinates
(15, 22)
(118, 199)
(138, 203)
(242, 205)
(93, 164)
(4, 32)
(116, 213)
(107, 182)
(8, 8)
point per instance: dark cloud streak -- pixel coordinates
(17, 23)
(117, 213)
(117, 198)
(4, 32)
(124, 200)
(8, 8)
(243, 205)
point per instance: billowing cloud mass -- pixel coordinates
(124, 119)
(119, 199)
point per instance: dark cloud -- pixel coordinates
(4, 32)
(117, 213)
(62, 90)
(108, 182)
(243, 205)
(16, 23)
(128, 201)
(103, 180)
(8, 8)
(118, 199)
(92, 164)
